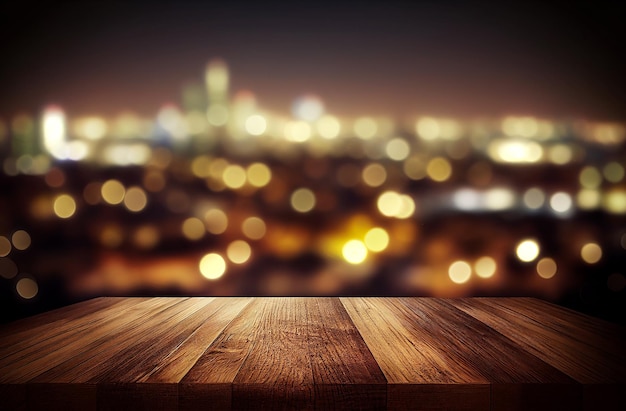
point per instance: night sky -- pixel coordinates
(397, 58)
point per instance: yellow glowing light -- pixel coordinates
(374, 175)
(64, 206)
(527, 250)
(8, 269)
(588, 199)
(254, 228)
(414, 168)
(407, 207)
(520, 126)
(534, 198)
(212, 266)
(146, 237)
(193, 228)
(217, 115)
(449, 129)
(397, 149)
(256, 124)
(216, 79)
(129, 125)
(499, 198)
(376, 239)
(258, 174)
(54, 131)
(614, 201)
(303, 200)
(515, 151)
(217, 167)
(196, 122)
(308, 108)
(428, 128)
(5, 246)
(613, 172)
(561, 202)
(216, 221)
(365, 128)
(467, 199)
(27, 288)
(93, 128)
(389, 203)
(21, 240)
(485, 267)
(171, 119)
(124, 154)
(546, 268)
(135, 199)
(460, 272)
(76, 150)
(591, 253)
(239, 251)
(439, 169)
(200, 166)
(607, 133)
(234, 176)
(328, 127)
(590, 177)
(560, 154)
(112, 192)
(354, 252)
(297, 131)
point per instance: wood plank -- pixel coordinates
(518, 379)
(19, 331)
(600, 335)
(420, 375)
(176, 365)
(277, 372)
(61, 385)
(305, 353)
(121, 380)
(148, 349)
(79, 358)
(42, 351)
(346, 374)
(603, 378)
(208, 384)
(20, 336)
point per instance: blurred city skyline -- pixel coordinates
(438, 149)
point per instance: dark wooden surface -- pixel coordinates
(312, 353)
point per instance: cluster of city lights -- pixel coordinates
(311, 203)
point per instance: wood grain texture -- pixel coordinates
(312, 353)
(586, 349)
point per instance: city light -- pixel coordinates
(212, 266)
(527, 250)
(354, 251)
(460, 272)
(309, 199)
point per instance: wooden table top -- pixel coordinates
(312, 353)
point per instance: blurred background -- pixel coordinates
(400, 148)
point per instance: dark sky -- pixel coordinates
(456, 58)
